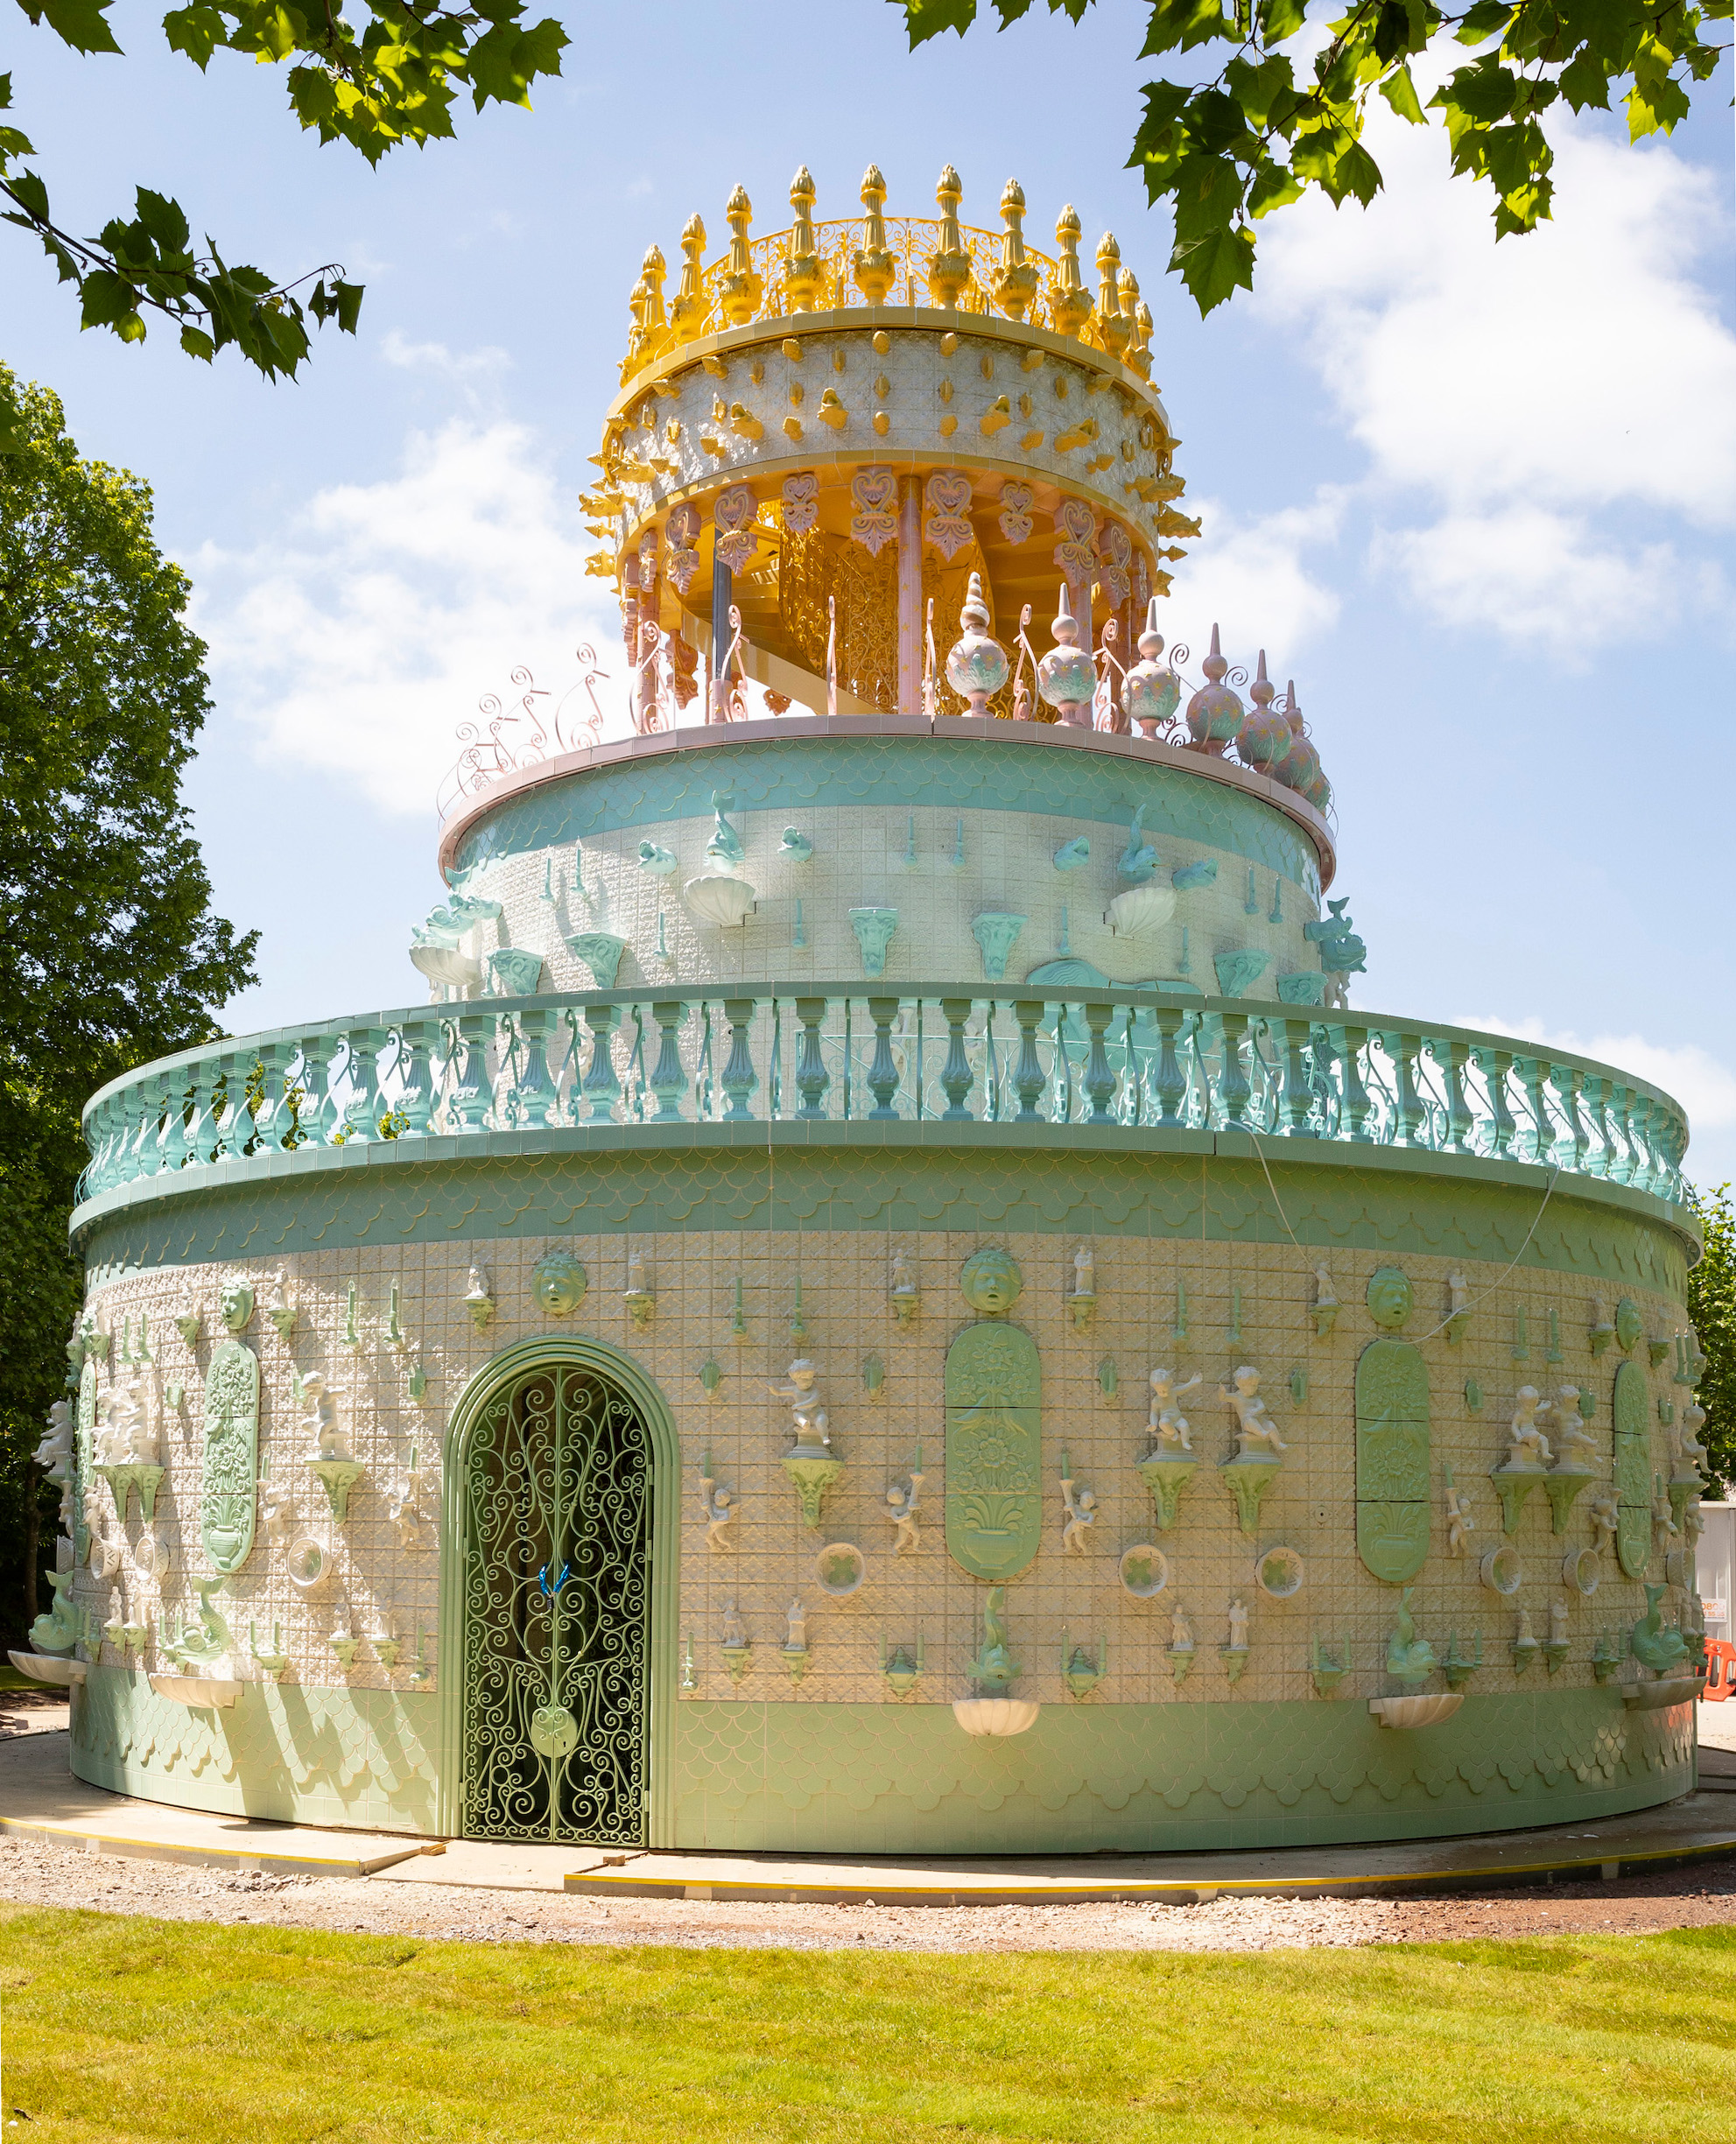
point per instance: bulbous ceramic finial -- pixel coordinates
(1214, 714)
(949, 267)
(977, 665)
(1114, 330)
(874, 268)
(1016, 285)
(742, 289)
(1067, 678)
(1264, 740)
(1151, 691)
(687, 314)
(1069, 300)
(803, 274)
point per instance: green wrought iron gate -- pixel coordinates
(556, 1578)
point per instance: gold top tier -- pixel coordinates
(874, 260)
(850, 420)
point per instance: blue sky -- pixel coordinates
(1477, 500)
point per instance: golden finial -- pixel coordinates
(1112, 331)
(638, 305)
(687, 315)
(1069, 300)
(1016, 285)
(741, 289)
(949, 267)
(652, 271)
(875, 269)
(1138, 352)
(804, 278)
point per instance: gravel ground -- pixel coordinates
(39, 1875)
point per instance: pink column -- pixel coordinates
(910, 597)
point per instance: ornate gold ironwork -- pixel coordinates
(818, 567)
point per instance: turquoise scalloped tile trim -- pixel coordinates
(897, 774)
(904, 1779)
(714, 1178)
(283, 1752)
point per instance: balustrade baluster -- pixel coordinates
(991, 1069)
(669, 1079)
(1170, 1082)
(850, 1066)
(922, 1068)
(533, 1091)
(1233, 1088)
(1029, 1079)
(776, 1097)
(1590, 1092)
(601, 1086)
(1565, 1080)
(1643, 1119)
(956, 1078)
(1532, 1072)
(882, 1073)
(472, 1091)
(1494, 1065)
(702, 1074)
(360, 1121)
(1133, 1107)
(1400, 1046)
(1353, 1102)
(1295, 1098)
(1064, 1068)
(1617, 1105)
(1099, 1083)
(1461, 1122)
(811, 1077)
(264, 1098)
(417, 1090)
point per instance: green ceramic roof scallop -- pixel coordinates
(897, 774)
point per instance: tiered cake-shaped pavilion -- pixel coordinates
(885, 1301)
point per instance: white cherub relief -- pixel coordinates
(1693, 1421)
(1166, 1421)
(719, 1508)
(1605, 1514)
(1085, 1272)
(901, 1508)
(801, 1388)
(1575, 1448)
(1662, 1517)
(1238, 1627)
(1460, 1524)
(1081, 1515)
(274, 1503)
(1528, 1446)
(1257, 1433)
(54, 1454)
(1181, 1631)
(903, 1281)
(325, 1439)
(403, 1509)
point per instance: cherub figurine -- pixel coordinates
(1257, 1433)
(274, 1502)
(1575, 1449)
(1459, 1296)
(1605, 1513)
(325, 1439)
(1692, 1450)
(1662, 1517)
(795, 1618)
(1166, 1421)
(403, 1509)
(901, 1508)
(1527, 1445)
(1181, 1631)
(734, 1637)
(903, 1281)
(1325, 1295)
(1460, 1524)
(1523, 1636)
(1081, 1515)
(802, 1391)
(1557, 1622)
(1084, 1273)
(1238, 1627)
(54, 1454)
(719, 1506)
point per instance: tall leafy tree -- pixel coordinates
(1712, 1304)
(110, 953)
(1259, 124)
(385, 73)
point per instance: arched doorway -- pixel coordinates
(554, 1486)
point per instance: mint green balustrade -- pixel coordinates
(1120, 1060)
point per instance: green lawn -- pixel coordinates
(119, 2029)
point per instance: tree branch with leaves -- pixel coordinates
(394, 79)
(1226, 152)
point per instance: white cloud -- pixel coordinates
(1253, 579)
(1523, 402)
(359, 635)
(1704, 1086)
(461, 368)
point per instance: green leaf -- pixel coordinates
(197, 31)
(1262, 90)
(1178, 25)
(1207, 192)
(197, 343)
(1353, 171)
(1215, 267)
(1274, 186)
(1658, 107)
(1486, 19)
(77, 23)
(1401, 92)
(1486, 92)
(927, 19)
(1584, 84)
(1279, 19)
(163, 220)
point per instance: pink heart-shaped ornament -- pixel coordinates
(949, 492)
(873, 490)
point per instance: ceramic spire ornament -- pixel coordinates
(1151, 691)
(1214, 712)
(1265, 737)
(1066, 677)
(976, 667)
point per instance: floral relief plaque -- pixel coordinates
(1633, 1471)
(994, 1449)
(1393, 1503)
(228, 1477)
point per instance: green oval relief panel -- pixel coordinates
(994, 1450)
(1633, 1471)
(1393, 1503)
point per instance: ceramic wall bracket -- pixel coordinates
(1166, 1479)
(1247, 1481)
(1327, 1671)
(124, 1480)
(1081, 1670)
(338, 1477)
(813, 1474)
(277, 1663)
(1562, 1485)
(344, 1645)
(1459, 1668)
(1234, 1658)
(901, 1668)
(1513, 1485)
(1181, 1662)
